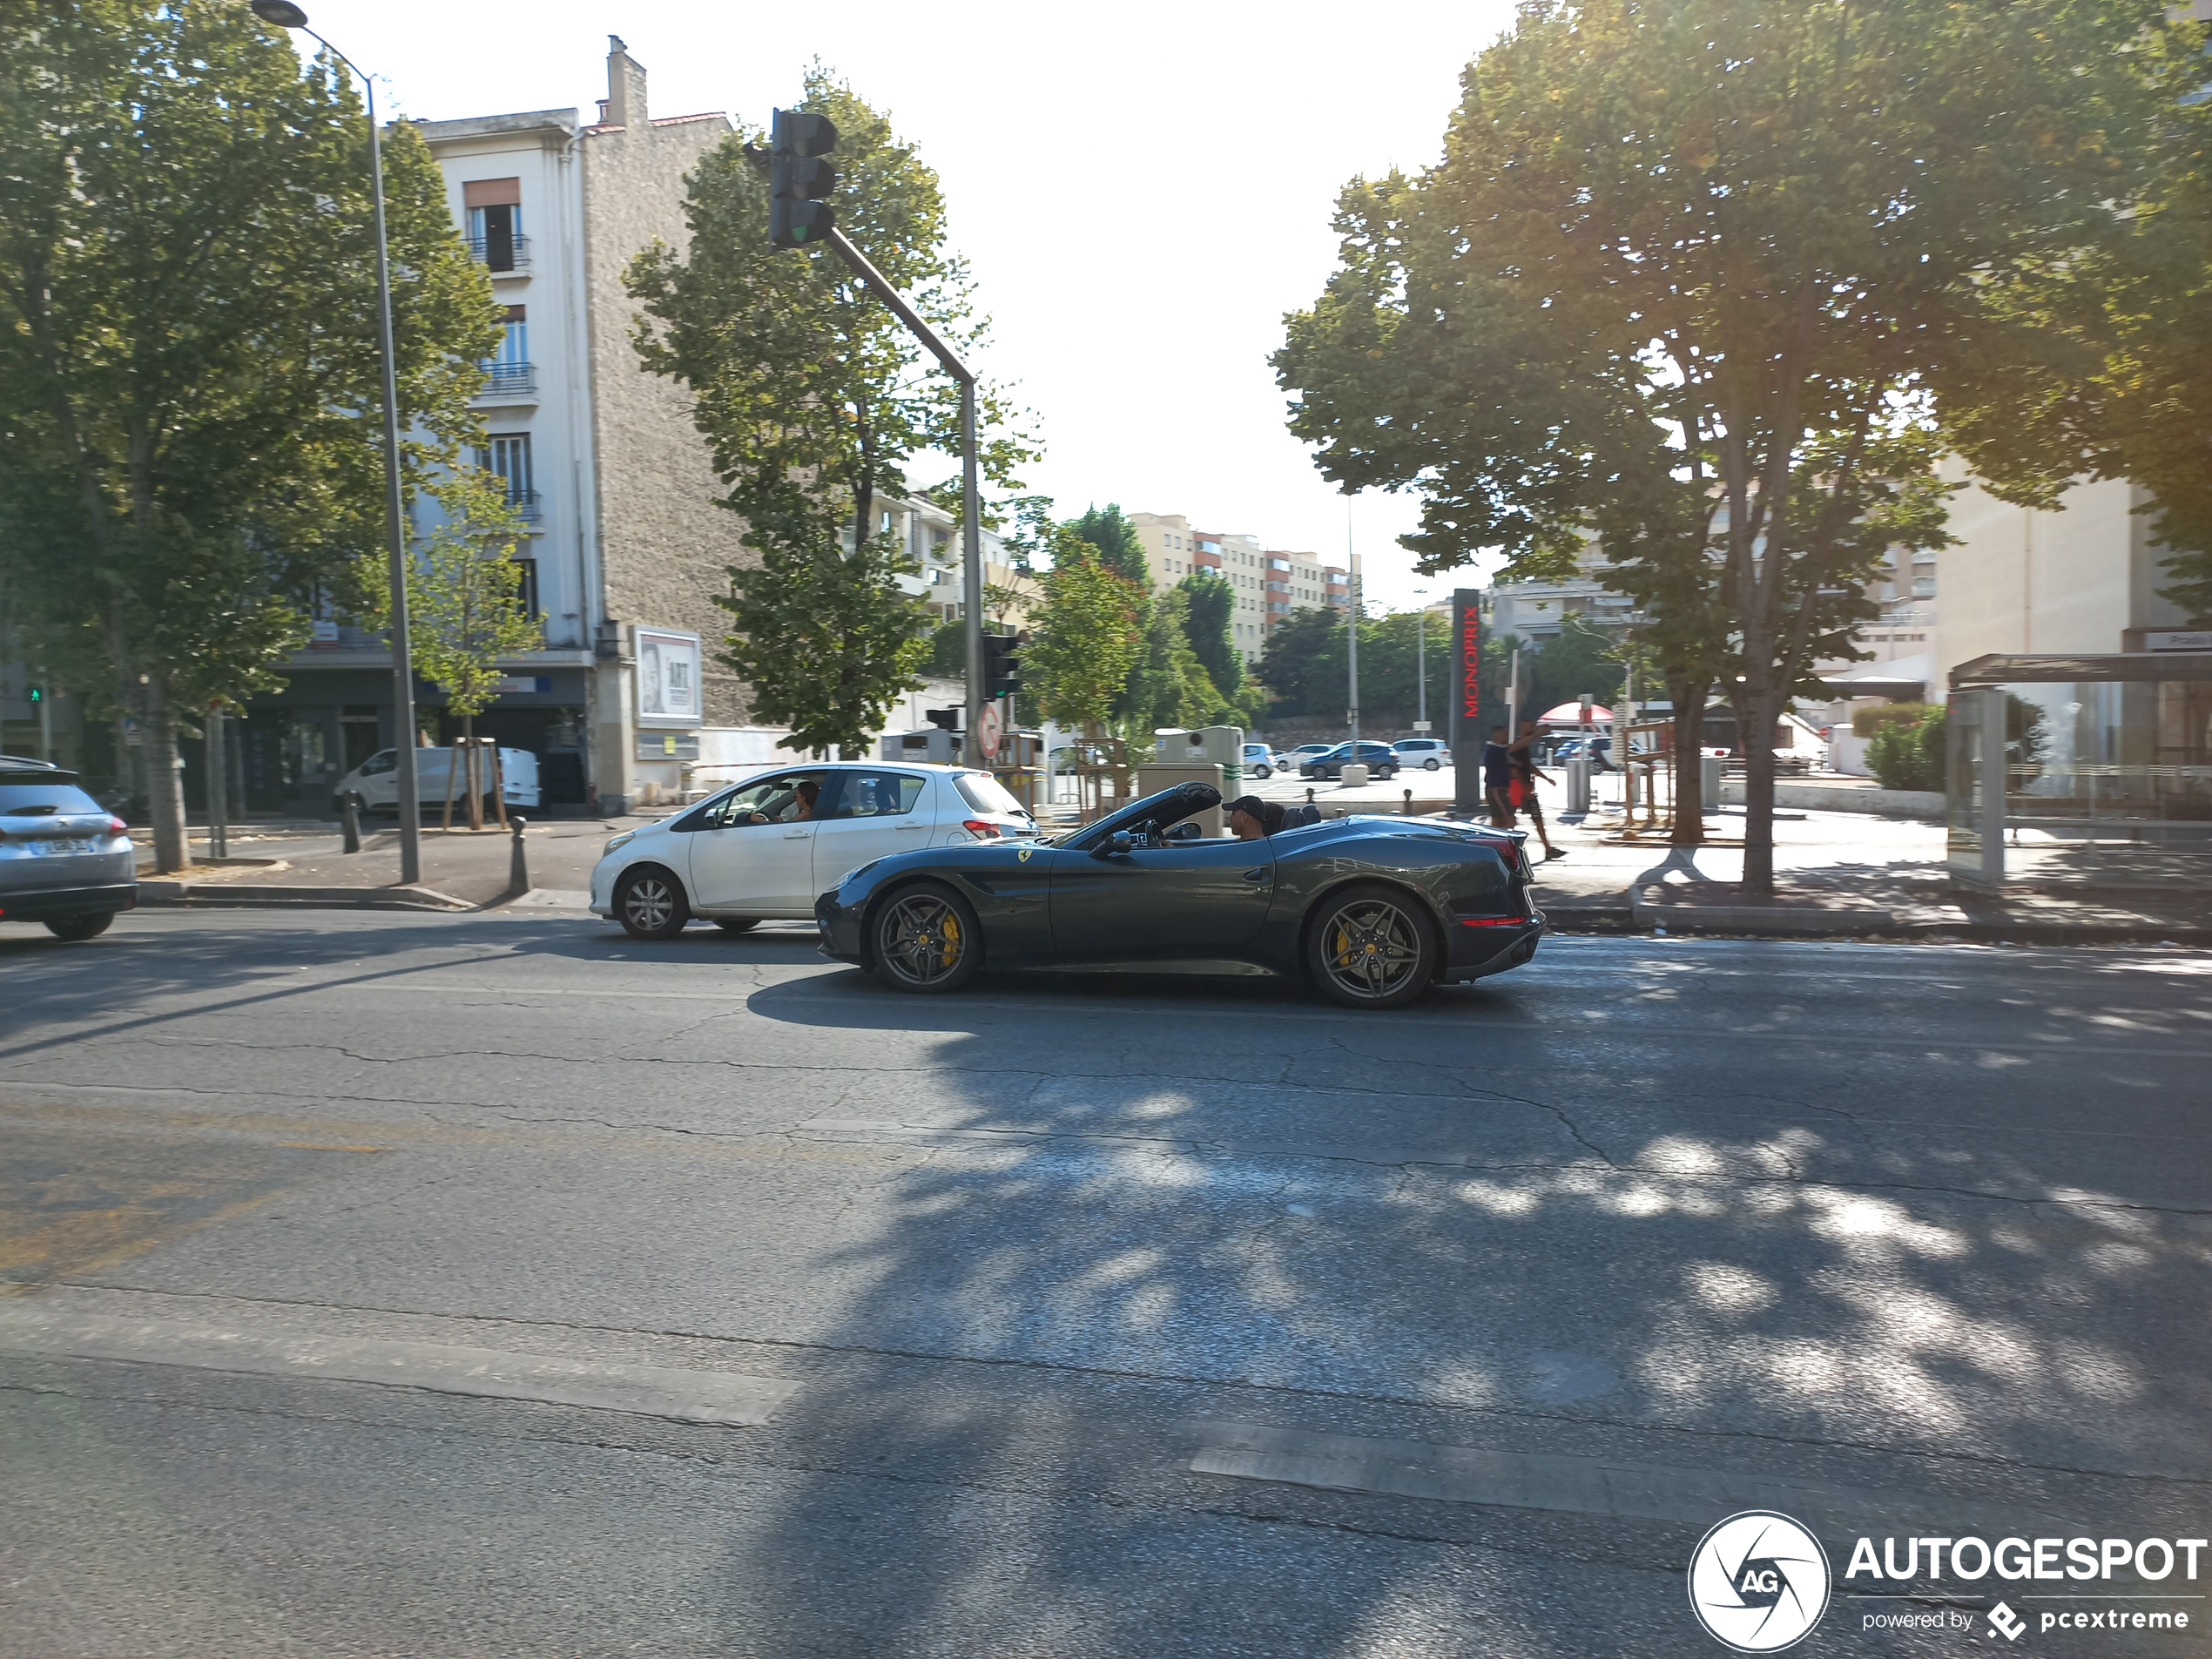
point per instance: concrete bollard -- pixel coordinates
(518, 863)
(352, 816)
(1353, 775)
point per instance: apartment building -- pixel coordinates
(932, 537)
(1269, 585)
(626, 547)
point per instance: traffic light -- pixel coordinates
(799, 179)
(34, 694)
(1002, 663)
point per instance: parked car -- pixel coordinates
(376, 780)
(1431, 754)
(764, 848)
(1380, 759)
(1372, 910)
(65, 860)
(1259, 761)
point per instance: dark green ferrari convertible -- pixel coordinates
(1373, 910)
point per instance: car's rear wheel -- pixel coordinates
(1369, 947)
(1262, 773)
(737, 924)
(649, 904)
(926, 939)
(86, 925)
(1431, 765)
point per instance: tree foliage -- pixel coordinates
(190, 385)
(1086, 639)
(1209, 609)
(1715, 282)
(1116, 538)
(813, 397)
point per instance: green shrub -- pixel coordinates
(1878, 717)
(1907, 753)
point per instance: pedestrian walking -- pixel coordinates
(1497, 778)
(1525, 778)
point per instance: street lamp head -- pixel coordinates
(282, 13)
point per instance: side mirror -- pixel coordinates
(1119, 841)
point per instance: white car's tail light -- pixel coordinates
(981, 828)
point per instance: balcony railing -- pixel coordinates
(500, 253)
(523, 504)
(509, 380)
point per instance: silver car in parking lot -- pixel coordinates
(65, 860)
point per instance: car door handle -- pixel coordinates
(912, 829)
(796, 835)
(1255, 877)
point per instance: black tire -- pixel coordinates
(1263, 773)
(86, 924)
(925, 939)
(1431, 765)
(737, 924)
(1371, 947)
(649, 904)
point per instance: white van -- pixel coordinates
(377, 780)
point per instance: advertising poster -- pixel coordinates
(668, 677)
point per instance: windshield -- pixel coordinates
(987, 794)
(42, 799)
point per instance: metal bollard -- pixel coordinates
(1409, 804)
(353, 817)
(518, 863)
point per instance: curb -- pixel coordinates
(240, 895)
(1619, 920)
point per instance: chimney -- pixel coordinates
(625, 106)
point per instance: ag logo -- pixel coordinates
(1758, 1582)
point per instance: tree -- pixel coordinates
(1086, 638)
(1116, 538)
(1707, 281)
(813, 396)
(190, 387)
(1209, 606)
(465, 613)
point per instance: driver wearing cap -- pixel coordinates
(1251, 819)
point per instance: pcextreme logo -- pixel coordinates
(1758, 1582)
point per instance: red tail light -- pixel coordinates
(982, 829)
(117, 826)
(1492, 922)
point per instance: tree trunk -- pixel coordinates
(165, 782)
(1689, 699)
(476, 791)
(1755, 728)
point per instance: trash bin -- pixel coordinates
(1708, 791)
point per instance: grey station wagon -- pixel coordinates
(64, 859)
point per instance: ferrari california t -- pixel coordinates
(1374, 911)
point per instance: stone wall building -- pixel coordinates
(627, 547)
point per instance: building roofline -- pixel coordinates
(481, 127)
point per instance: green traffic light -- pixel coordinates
(36, 694)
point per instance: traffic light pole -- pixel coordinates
(971, 524)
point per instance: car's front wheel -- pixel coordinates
(649, 904)
(926, 939)
(84, 925)
(1369, 947)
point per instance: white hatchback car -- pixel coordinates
(763, 849)
(1432, 754)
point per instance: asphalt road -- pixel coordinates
(495, 1286)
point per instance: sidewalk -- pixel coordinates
(1848, 874)
(1838, 875)
(461, 870)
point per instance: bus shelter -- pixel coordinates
(2080, 771)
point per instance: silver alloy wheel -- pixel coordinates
(921, 939)
(647, 903)
(1431, 765)
(1370, 948)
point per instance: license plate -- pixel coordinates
(61, 849)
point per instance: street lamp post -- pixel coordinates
(285, 15)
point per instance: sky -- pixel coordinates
(1142, 191)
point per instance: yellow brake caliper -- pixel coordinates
(950, 933)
